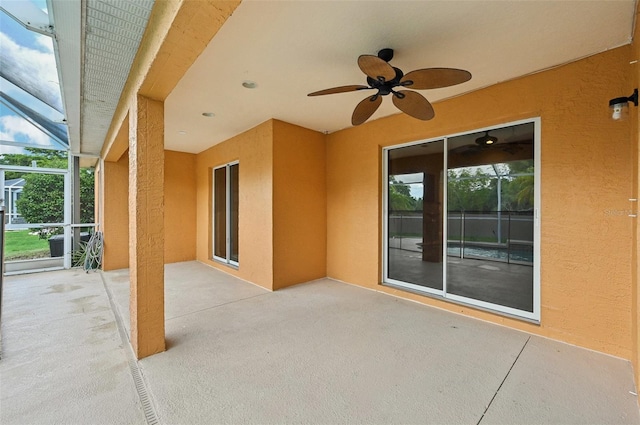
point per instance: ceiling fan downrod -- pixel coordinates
(386, 54)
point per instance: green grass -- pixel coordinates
(20, 245)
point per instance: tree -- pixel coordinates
(478, 190)
(42, 199)
(400, 198)
(518, 187)
(469, 191)
(45, 158)
(87, 195)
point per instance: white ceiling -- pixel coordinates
(291, 48)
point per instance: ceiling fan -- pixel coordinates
(487, 142)
(384, 78)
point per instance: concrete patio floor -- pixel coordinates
(323, 352)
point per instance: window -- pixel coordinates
(225, 213)
(460, 218)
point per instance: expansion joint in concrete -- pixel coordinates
(146, 400)
(216, 306)
(503, 381)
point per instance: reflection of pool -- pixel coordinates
(522, 254)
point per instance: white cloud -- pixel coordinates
(34, 70)
(13, 128)
(40, 64)
(5, 150)
(45, 42)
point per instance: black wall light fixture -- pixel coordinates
(620, 105)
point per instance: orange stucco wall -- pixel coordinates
(179, 210)
(635, 137)
(254, 150)
(586, 175)
(299, 205)
(179, 206)
(282, 205)
(114, 217)
(588, 164)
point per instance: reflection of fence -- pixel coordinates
(405, 230)
(505, 236)
(498, 236)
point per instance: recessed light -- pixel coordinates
(249, 84)
(208, 114)
(182, 132)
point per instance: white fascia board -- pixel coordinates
(66, 18)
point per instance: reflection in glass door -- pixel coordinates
(415, 193)
(478, 191)
(490, 194)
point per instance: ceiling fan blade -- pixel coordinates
(341, 89)
(375, 67)
(414, 104)
(435, 78)
(365, 109)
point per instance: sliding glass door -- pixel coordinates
(415, 188)
(460, 218)
(225, 213)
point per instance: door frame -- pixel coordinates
(533, 316)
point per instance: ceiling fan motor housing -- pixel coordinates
(385, 87)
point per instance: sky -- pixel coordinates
(31, 54)
(414, 181)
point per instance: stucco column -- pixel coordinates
(146, 225)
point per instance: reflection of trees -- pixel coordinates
(472, 191)
(518, 190)
(477, 189)
(400, 198)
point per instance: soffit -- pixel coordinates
(293, 48)
(112, 30)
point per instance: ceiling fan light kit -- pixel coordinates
(486, 140)
(386, 79)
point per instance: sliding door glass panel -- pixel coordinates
(490, 228)
(220, 212)
(234, 187)
(414, 227)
